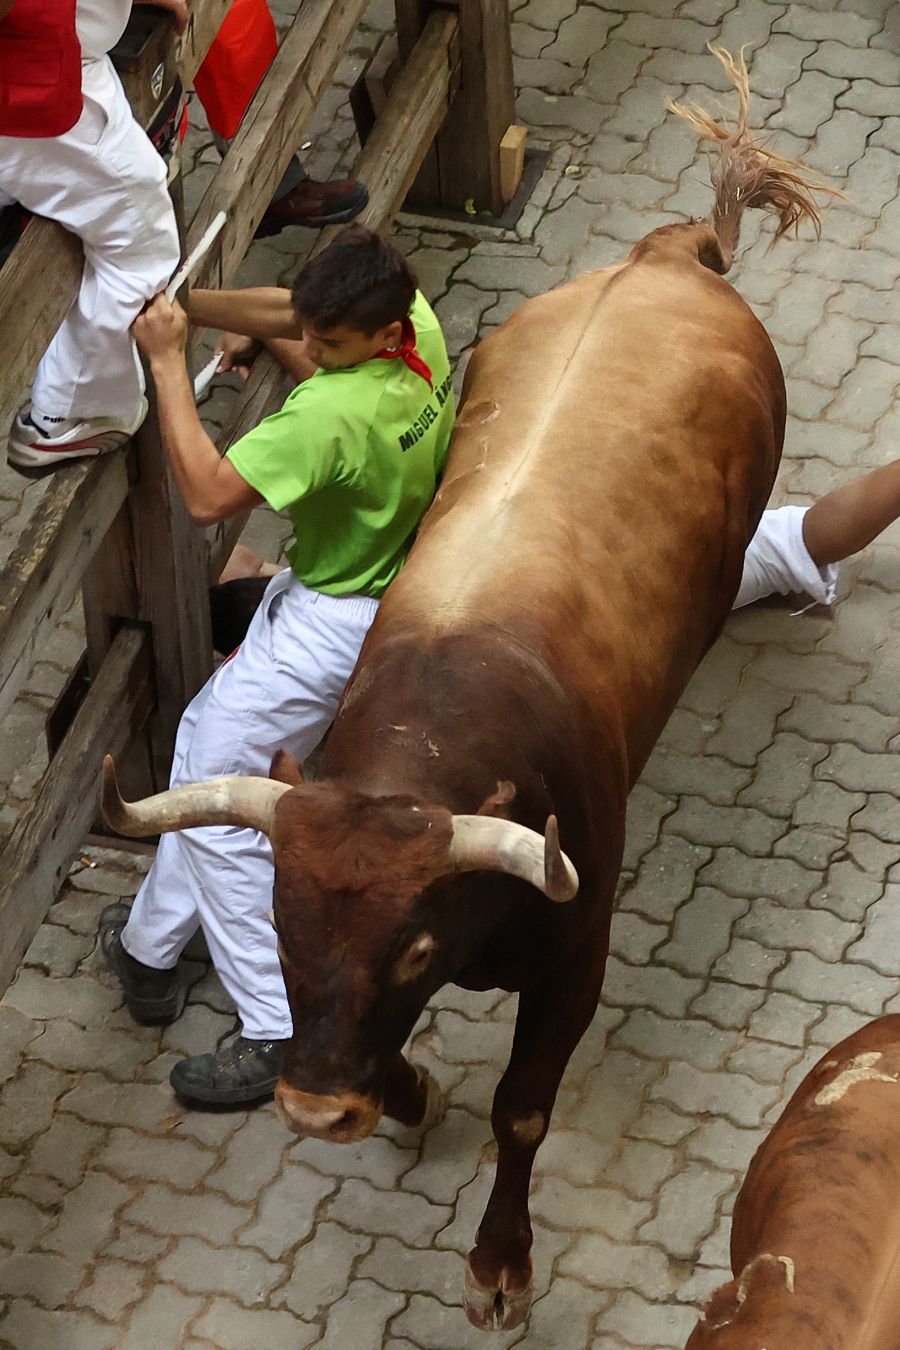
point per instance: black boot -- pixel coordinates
(153, 997)
(243, 1071)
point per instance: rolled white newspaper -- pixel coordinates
(204, 378)
(209, 235)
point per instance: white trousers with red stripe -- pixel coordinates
(104, 181)
(279, 691)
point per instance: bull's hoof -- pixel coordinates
(496, 1307)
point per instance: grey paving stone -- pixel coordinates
(42, 997)
(25, 1326)
(410, 1217)
(818, 981)
(253, 1157)
(879, 945)
(596, 1260)
(588, 1208)
(27, 1103)
(583, 32)
(749, 830)
(784, 1019)
(848, 892)
(230, 1327)
(665, 879)
(725, 1146)
(575, 1156)
(361, 1316)
(747, 962)
(686, 1210)
(87, 1215)
(812, 849)
(159, 1321)
(179, 1162)
(163, 1211)
(751, 878)
(738, 1098)
(56, 950)
(16, 1031)
(640, 1169)
(287, 1210)
(765, 1062)
(612, 1095)
(237, 1272)
(115, 1286)
(788, 929)
(702, 931)
(663, 990)
(62, 1152)
(727, 1005)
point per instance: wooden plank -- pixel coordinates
(40, 281)
(272, 129)
(416, 107)
(468, 148)
(205, 21)
(39, 851)
(512, 161)
(37, 286)
(410, 19)
(42, 573)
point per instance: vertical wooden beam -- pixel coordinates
(465, 164)
(469, 146)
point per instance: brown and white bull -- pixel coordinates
(815, 1244)
(617, 443)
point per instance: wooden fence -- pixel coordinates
(115, 526)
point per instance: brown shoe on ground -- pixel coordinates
(314, 204)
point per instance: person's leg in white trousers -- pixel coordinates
(104, 181)
(280, 691)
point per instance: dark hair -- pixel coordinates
(359, 280)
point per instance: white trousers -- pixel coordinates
(777, 562)
(279, 691)
(104, 181)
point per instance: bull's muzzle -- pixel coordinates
(341, 1119)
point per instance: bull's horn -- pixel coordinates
(505, 846)
(220, 801)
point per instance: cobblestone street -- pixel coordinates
(759, 919)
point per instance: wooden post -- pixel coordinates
(465, 165)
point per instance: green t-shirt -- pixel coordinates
(354, 457)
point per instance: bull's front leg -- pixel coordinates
(552, 1018)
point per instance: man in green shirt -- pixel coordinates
(354, 458)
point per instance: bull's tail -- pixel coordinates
(748, 173)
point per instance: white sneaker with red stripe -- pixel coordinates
(31, 448)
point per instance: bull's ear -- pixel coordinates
(285, 769)
(499, 802)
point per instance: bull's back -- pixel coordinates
(616, 445)
(816, 1236)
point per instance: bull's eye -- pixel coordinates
(415, 960)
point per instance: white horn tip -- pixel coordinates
(560, 877)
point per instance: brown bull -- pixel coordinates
(617, 444)
(815, 1242)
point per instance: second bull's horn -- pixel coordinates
(505, 846)
(220, 801)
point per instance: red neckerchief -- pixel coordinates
(407, 353)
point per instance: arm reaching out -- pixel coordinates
(259, 312)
